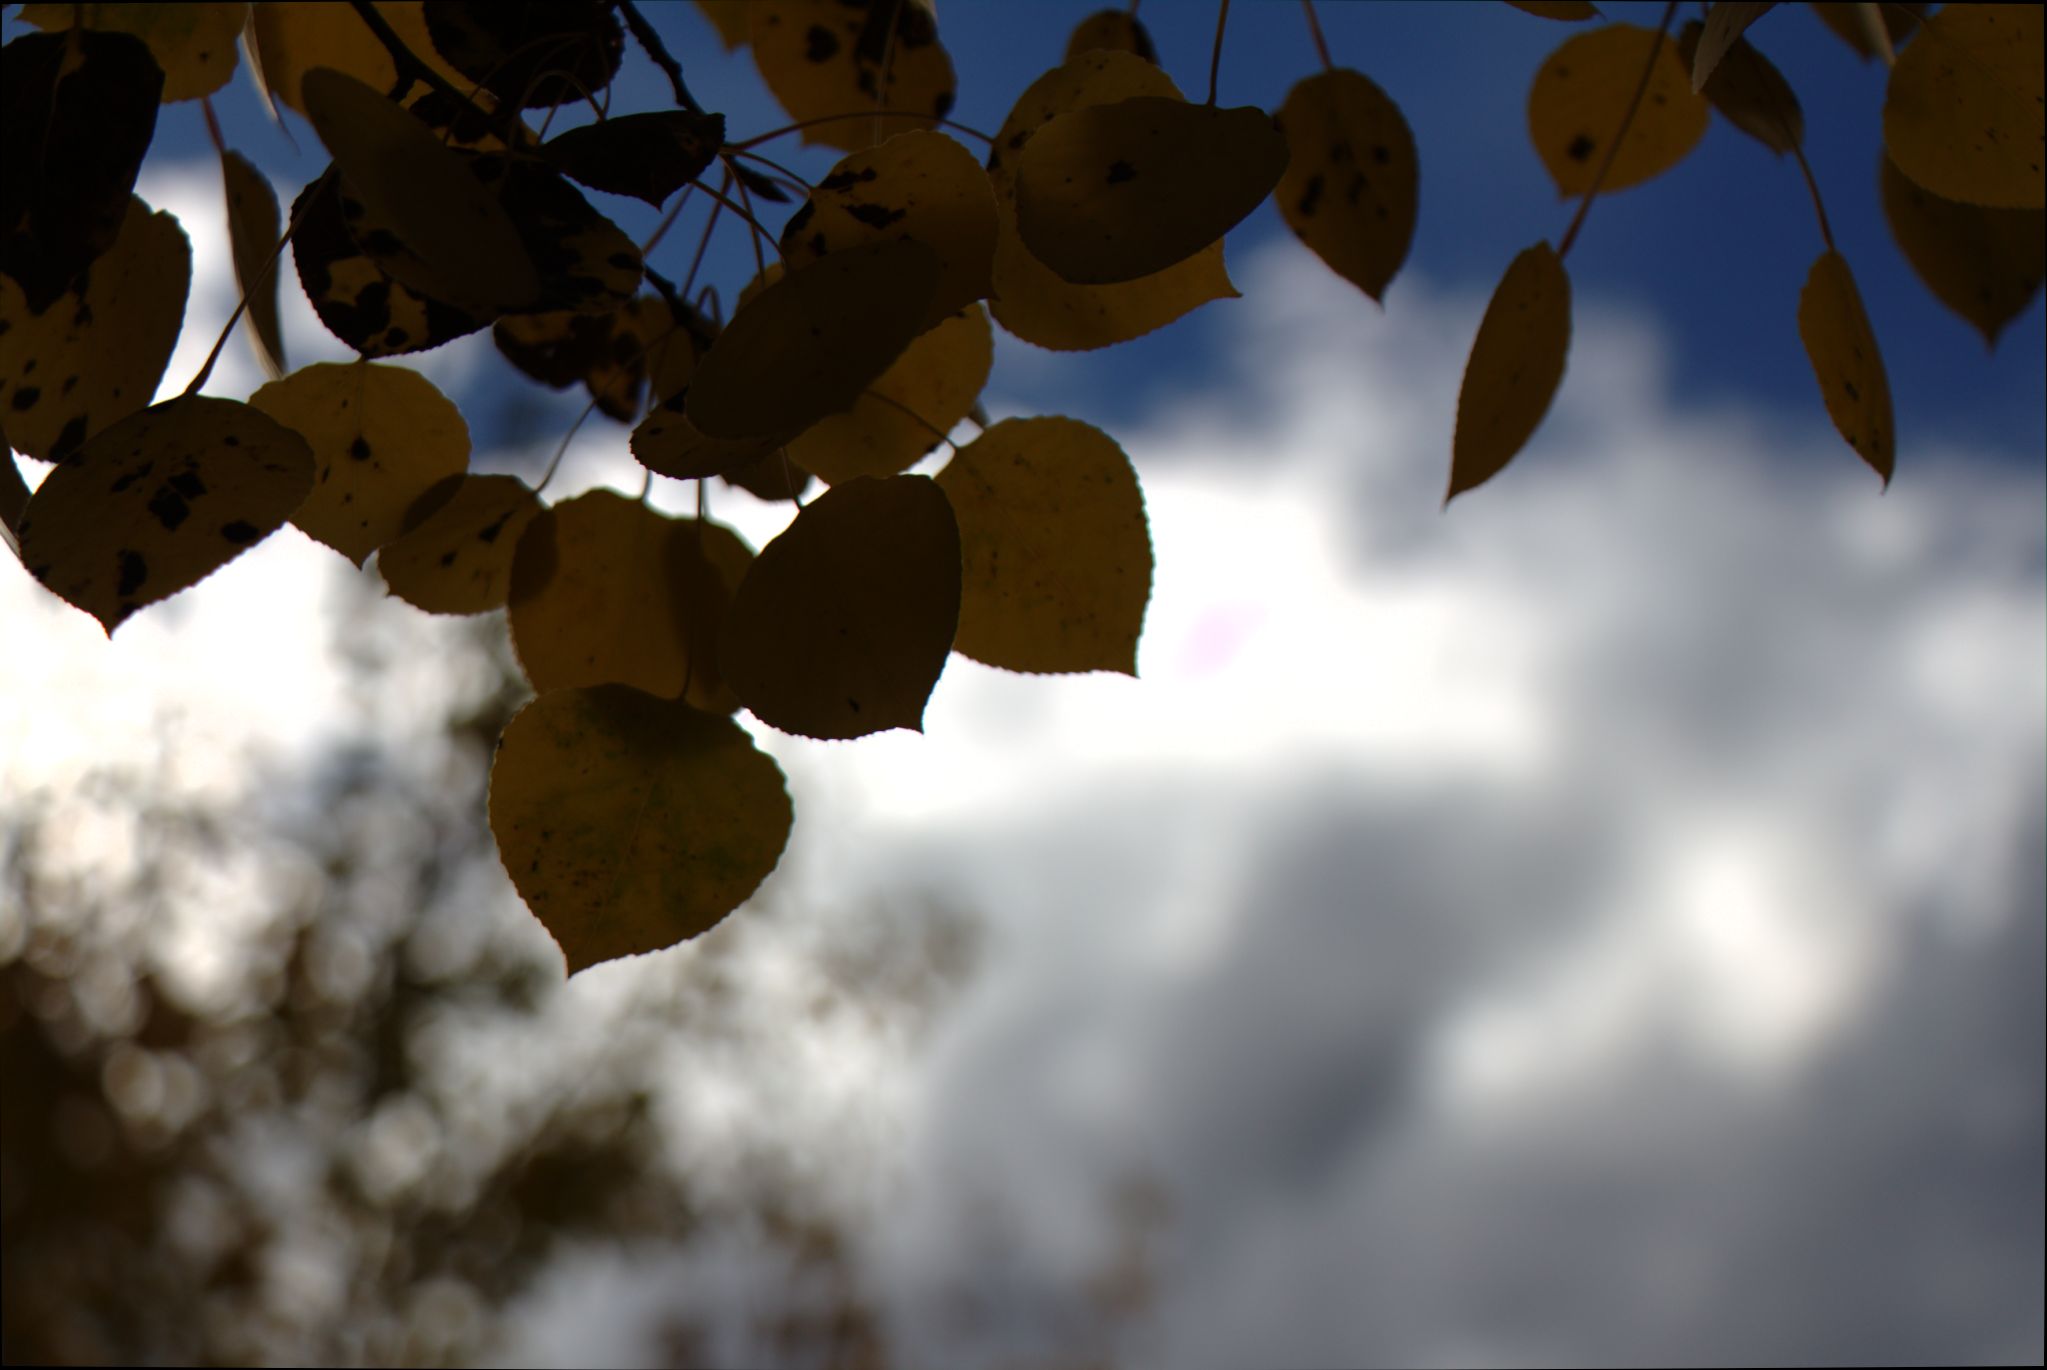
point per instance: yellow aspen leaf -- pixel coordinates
(1115, 192)
(360, 303)
(843, 622)
(1353, 181)
(1985, 264)
(193, 43)
(160, 501)
(382, 436)
(1842, 347)
(1112, 31)
(909, 407)
(1581, 94)
(1726, 22)
(96, 353)
(917, 185)
(668, 444)
(1964, 115)
(630, 823)
(730, 19)
(1568, 11)
(455, 555)
(1031, 300)
(1516, 365)
(1054, 546)
(1750, 93)
(807, 345)
(252, 233)
(826, 58)
(407, 177)
(291, 37)
(608, 591)
(1849, 22)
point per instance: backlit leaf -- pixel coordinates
(1569, 11)
(252, 232)
(1838, 340)
(1055, 549)
(917, 185)
(1900, 22)
(585, 261)
(842, 624)
(1964, 115)
(193, 43)
(96, 354)
(1985, 264)
(404, 174)
(160, 501)
(630, 823)
(382, 436)
(1112, 31)
(1516, 364)
(608, 591)
(455, 556)
(606, 352)
(77, 129)
(770, 476)
(1352, 184)
(1031, 300)
(1750, 93)
(809, 344)
(291, 37)
(823, 58)
(1115, 192)
(356, 299)
(899, 418)
(648, 156)
(1726, 22)
(532, 54)
(1581, 94)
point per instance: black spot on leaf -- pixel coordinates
(1580, 148)
(168, 506)
(240, 533)
(1119, 172)
(134, 570)
(820, 44)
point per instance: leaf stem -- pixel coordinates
(269, 265)
(409, 67)
(667, 220)
(554, 463)
(704, 242)
(1614, 147)
(650, 43)
(1818, 208)
(927, 425)
(1215, 56)
(1315, 32)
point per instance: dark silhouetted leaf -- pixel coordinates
(920, 186)
(1985, 264)
(1726, 22)
(1568, 11)
(842, 624)
(77, 129)
(901, 416)
(356, 299)
(160, 501)
(630, 823)
(1838, 340)
(1750, 93)
(1516, 364)
(96, 353)
(646, 156)
(1115, 192)
(194, 44)
(1353, 183)
(252, 232)
(1055, 548)
(809, 344)
(455, 555)
(1031, 300)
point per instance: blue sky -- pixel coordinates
(1599, 925)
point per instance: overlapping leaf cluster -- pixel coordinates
(631, 810)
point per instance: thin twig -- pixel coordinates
(270, 265)
(1315, 32)
(1627, 122)
(802, 124)
(892, 402)
(650, 43)
(1215, 57)
(555, 463)
(1826, 232)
